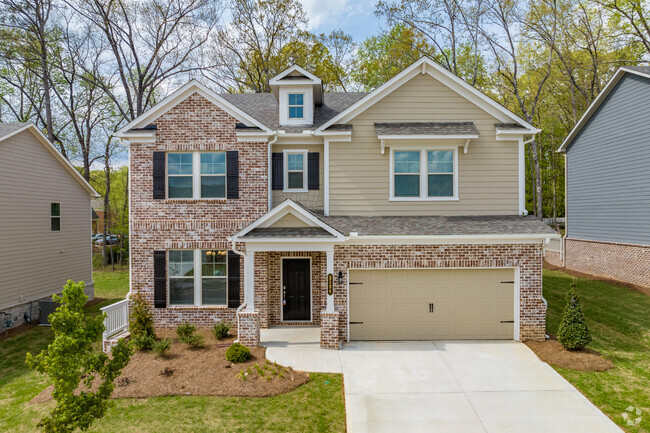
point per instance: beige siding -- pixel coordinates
(487, 174)
(312, 199)
(289, 220)
(34, 261)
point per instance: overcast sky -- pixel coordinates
(355, 17)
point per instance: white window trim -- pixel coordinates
(198, 280)
(304, 97)
(59, 217)
(196, 176)
(285, 186)
(423, 174)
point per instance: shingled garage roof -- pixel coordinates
(426, 128)
(264, 108)
(438, 225)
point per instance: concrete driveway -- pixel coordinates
(443, 386)
(460, 386)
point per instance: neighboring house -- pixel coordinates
(608, 182)
(45, 222)
(410, 198)
(98, 215)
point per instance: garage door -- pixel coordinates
(431, 304)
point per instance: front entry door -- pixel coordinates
(296, 289)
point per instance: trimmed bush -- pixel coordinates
(238, 353)
(161, 347)
(185, 331)
(143, 342)
(221, 330)
(573, 333)
(140, 319)
(195, 341)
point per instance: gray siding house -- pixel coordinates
(608, 182)
(45, 222)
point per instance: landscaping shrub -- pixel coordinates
(143, 342)
(140, 320)
(195, 341)
(573, 333)
(238, 353)
(221, 330)
(184, 331)
(161, 347)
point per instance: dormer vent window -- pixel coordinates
(296, 105)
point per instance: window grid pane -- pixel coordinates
(407, 185)
(55, 224)
(214, 277)
(441, 185)
(179, 187)
(181, 263)
(55, 209)
(407, 161)
(213, 186)
(295, 161)
(179, 163)
(440, 161)
(296, 112)
(213, 163)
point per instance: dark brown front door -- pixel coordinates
(296, 290)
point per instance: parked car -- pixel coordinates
(111, 240)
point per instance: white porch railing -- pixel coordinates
(117, 318)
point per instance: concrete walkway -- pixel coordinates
(447, 386)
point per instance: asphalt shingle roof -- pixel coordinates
(642, 69)
(288, 232)
(430, 128)
(8, 128)
(264, 108)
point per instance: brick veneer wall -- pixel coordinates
(329, 330)
(622, 262)
(528, 258)
(195, 124)
(249, 328)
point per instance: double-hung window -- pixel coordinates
(196, 175)
(296, 170)
(198, 277)
(296, 105)
(424, 174)
(55, 217)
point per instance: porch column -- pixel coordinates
(330, 270)
(249, 281)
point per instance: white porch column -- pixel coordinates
(249, 281)
(330, 270)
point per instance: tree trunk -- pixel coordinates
(537, 177)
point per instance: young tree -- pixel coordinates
(71, 358)
(573, 333)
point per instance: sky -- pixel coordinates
(355, 17)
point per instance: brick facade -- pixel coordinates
(248, 331)
(329, 330)
(195, 124)
(621, 262)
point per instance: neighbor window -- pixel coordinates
(55, 217)
(296, 105)
(198, 277)
(295, 173)
(206, 181)
(424, 174)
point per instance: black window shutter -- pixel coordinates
(312, 171)
(159, 175)
(234, 270)
(277, 175)
(159, 279)
(232, 174)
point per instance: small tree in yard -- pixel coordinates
(72, 357)
(573, 333)
(141, 328)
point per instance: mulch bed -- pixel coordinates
(552, 352)
(578, 274)
(200, 372)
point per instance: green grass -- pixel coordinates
(619, 321)
(314, 407)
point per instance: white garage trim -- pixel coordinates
(516, 291)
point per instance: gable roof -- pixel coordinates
(8, 130)
(643, 71)
(178, 96)
(427, 66)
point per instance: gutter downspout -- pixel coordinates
(546, 242)
(269, 169)
(243, 305)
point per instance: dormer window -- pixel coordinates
(296, 105)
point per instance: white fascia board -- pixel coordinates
(429, 137)
(253, 137)
(137, 137)
(181, 94)
(289, 246)
(450, 239)
(295, 68)
(421, 66)
(593, 107)
(55, 152)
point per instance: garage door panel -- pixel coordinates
(468, 304)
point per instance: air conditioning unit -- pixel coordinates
(47, 307)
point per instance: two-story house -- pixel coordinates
(389, 215)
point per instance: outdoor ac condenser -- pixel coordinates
(47, 307)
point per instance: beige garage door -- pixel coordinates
(432, 304)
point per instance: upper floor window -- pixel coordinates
(55, 217)
(198, 277)
(296, 105)
(295, 175)
(423, 174)
(196, 175)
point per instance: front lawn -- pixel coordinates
(619, 320)
(317, 406)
